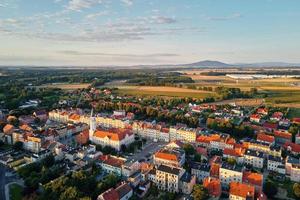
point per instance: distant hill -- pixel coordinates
(207, 63)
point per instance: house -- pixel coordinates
(277, 116)
(254, 158)
(261, 137)
(83, 137)
(213, 186)
(241, 191)
(270, 127)
(167, 178)
(253, 179)
(112, 164)
(114, 137)
(236, 154)
(282, 136)
(262, 111)
(186, 183)
(276, 164)
(291, 161)
(122, 192)
(169, 156)
(230, 173)
(255, 118)
(200, 170)
(292, 147)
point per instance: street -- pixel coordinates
(2, 182)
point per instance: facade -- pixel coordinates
(276, 164)
(112, 164)
(200, 170)
(254, 158)
(122, 192)
(186, 183)
(230, 173)
(167, 178)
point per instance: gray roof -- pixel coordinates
(169, 169)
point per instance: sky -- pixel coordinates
(132, 32)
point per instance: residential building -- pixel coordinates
(276, 164)
(241, 191)
(167, 178)
(200, 170)
(254, 158)
(112, 164)
(230, 173)
(213, 186)
(169, 156)
(186, 183)
(122, 192)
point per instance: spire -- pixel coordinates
(92, 112)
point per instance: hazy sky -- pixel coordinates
(122, 32)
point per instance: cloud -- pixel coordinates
(163, 20)
(224, 18)
(95, 15)
(2, 5)
(127, 2)
(78, 53)
(78, 5)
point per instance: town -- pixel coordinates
(231, 151)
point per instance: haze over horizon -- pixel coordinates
(134, 32)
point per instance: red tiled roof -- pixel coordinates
(265, 138)
(233, 152)
(215, 170)
(213, 186)
(112, 161)
(110, 194)
(255, 116)
(166, 156)
(283, 134)
(241, 190)
(277, 115)
(294, 147)
(8, 128)
(252, 178)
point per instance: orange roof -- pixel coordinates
(208, 139)
(233, 152)
(265, 137)
(294, 147)
(25, 127)
(283, 134)
(255, 116)
(241, 190)
(8, 128)
(166, 156)
(113, 134)
(230, 141)
(74, 116)
(262, 110)
(113, 161)
(83, 137)
(213, 186)
(252, 178)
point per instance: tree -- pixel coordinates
(199, 192)
(189, 149)
(231, 161)
(270, 189)
(48, 161)
(70, 193)
(296, 189)
(18, 146)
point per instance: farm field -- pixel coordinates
(67, 86)
(163, 91)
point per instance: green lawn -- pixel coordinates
(15, 192)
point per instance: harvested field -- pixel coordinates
(66, 86)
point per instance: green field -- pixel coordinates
(164, 93)
(294, 112)
(15, 192)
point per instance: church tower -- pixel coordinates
(93, 126)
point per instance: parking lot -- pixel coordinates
(148, 149)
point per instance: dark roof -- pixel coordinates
(186, 177)
(250, 152)
(123, 190)
(231, 167)
(169, 169)
(201, 166)
(275, 158)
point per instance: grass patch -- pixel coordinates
(15, 192)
